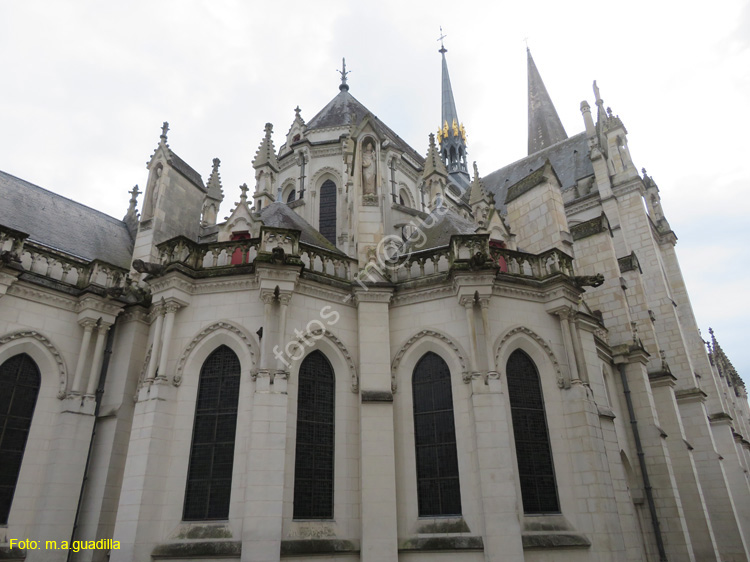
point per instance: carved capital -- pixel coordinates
(88, 324)
(285, 298)
(267, 297)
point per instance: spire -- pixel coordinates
(266, 155)
(451, 135)
(131, 217)
(433, 163)
(545, 127)
(213, 187)
(344, 73)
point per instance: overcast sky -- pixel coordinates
(85, 87)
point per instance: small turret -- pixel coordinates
(266, 167)
(131, 217)
(214, 196)
(434, 177)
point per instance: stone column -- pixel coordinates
(88, 327)
(96, 364)
(564, 314)
(578, 348)
(265, 352)
(378, 459)
(156, 342)
(484, 302)
(170, 310)
(284, 304)
(468, 303)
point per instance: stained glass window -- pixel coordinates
(438, 490)
(211, 455)
(533, 453)
(313, 461)
(19, 388)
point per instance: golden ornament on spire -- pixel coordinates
(445, 129)
(455, 128)
(440, 136)
(463, 132)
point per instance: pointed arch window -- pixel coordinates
(438, 489)
(328, 211)
(209, 479)
(313, 461)
(533, 453)
(19, 388)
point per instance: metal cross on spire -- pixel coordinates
(164, 129)
(344, 73)
(442, 36)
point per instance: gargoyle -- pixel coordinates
(277, 255)
(477, 260)
(147, 267)
(8, 257)
(589, 280)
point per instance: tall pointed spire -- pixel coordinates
(451, 135)
(545, 127)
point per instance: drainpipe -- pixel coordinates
(98, 398)
(642, 463)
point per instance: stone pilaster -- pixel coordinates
(377, 462)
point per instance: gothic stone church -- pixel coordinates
(377, 356)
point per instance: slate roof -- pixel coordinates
(569, 158)
(63, 224)
(279, 215)
(186, 170)
(436, 230)
(337, 113)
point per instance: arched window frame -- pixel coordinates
(435, 443)
(539, 491)
(327, 210)
(314, 456)
(222, 445)
(17, 405)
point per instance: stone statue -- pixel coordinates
(368, 170)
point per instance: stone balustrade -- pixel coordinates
(58, 266)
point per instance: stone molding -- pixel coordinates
(423, 296)
(543, 344)
(323, 171)
(629, 263)
(341, 347)
(465, 374)
(590, 227)
(306, 288)
(44, 297)
(203, 334)
(34, 335)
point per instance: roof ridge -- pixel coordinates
(102, 213)
(537, 154)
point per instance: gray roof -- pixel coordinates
(569, 158)
(65, 225)
(279, 215)
(337, 113)
(186, 170)
(436, 230)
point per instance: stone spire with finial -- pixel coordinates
(266, 167)
(451, 135)
(131, 217)
(344, 73)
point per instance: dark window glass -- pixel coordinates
(438, 490)
(210, 470)
(292, 196)
(533, 454)
(328, 211)
(19, 388)
(313, 462)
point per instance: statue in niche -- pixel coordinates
(368, 171)
(150, 204)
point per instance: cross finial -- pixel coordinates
(244, 189)
(344, 73)
(442, 36)
(134, 194)
(164, 129)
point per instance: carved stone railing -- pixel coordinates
(274, 245)
(57, 265)
(535, 266)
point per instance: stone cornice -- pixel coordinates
(381, 295)
(422, 295)
(40, 295)
(582, 204)
(311, 289)
(687, 395)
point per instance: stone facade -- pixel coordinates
(355, 246)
